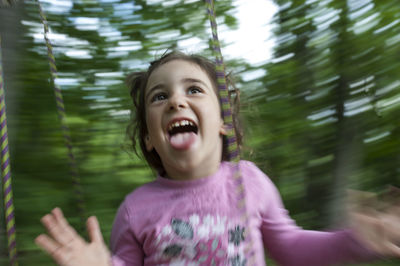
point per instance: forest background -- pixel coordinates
(320, 116)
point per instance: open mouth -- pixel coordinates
(182, 126)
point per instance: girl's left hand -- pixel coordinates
(377, 225)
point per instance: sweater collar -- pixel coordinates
(195, 182)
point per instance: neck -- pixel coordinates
(206, 170)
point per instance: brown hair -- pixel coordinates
(137, 82)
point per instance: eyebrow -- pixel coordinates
(184, 80)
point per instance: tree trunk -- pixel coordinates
(348, 145)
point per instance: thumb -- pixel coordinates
(93, 228)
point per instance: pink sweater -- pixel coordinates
(170, 222)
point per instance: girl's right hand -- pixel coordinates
(67, 248)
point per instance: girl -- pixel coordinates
(187, 215)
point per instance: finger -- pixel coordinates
(392, 225)
(393, 250)
(94, 231)
(58, 227)
(47, 244)
(64, 226)
(53, 248)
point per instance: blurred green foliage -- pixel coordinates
(323, 117)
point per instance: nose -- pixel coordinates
(177, 101)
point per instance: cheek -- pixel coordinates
(152, 120)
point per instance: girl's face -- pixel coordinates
(183, 119)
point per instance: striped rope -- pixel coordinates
(78, 191)
(6, 174)
(228, 121)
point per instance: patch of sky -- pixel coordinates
(119, 112)
(93, 9)
(388, 88)
(110, 1)
(57, 39)
(376, 137)
(323, 18)
(109, 31)
(192, 45)
(93, 97)
(325, 26)
(170, 3)
(133, 64)
(125, 46)
(93, 88)
(116, 74)
(329, 120)
(108, 100)
(327, 81)
(101, 106)
(361, 11)
(56, 6)
(285, 6)
(285, 38)
(252, 75)
(363, 53)
(356, 103)
(154, 2)
(321, 160)
(393, 40)
(361, 82)
(354, 5)
(32, 24)
(132, 20)
(123, 9)
(364, 89)
(386, 27)
(117, 38)
(282, 58)
(366, 23)
(118, 54)
(86, 23)
(357, 106)
(252, 40)
(321, 114)
(389, 103)
(63, 82)
(319, 93)
(309, 2)
(165, 36)
(324, 15)
(78, 53)
(106, 82)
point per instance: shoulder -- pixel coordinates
(257, 183)
(144, 195)
(252, 173)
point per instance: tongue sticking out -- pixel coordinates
(182, 141)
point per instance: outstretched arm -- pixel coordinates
(376, 222)
(67, 248)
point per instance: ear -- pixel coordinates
(223, 130)
(149, 144)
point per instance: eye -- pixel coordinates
(194, 90)
(159, 97)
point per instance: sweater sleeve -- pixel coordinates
(290, 245)
(125, 248)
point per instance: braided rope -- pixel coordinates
(228, 121)
(78, 191)
(6, 174)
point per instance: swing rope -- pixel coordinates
(233, 148)
(6, 174)
(78, 191)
